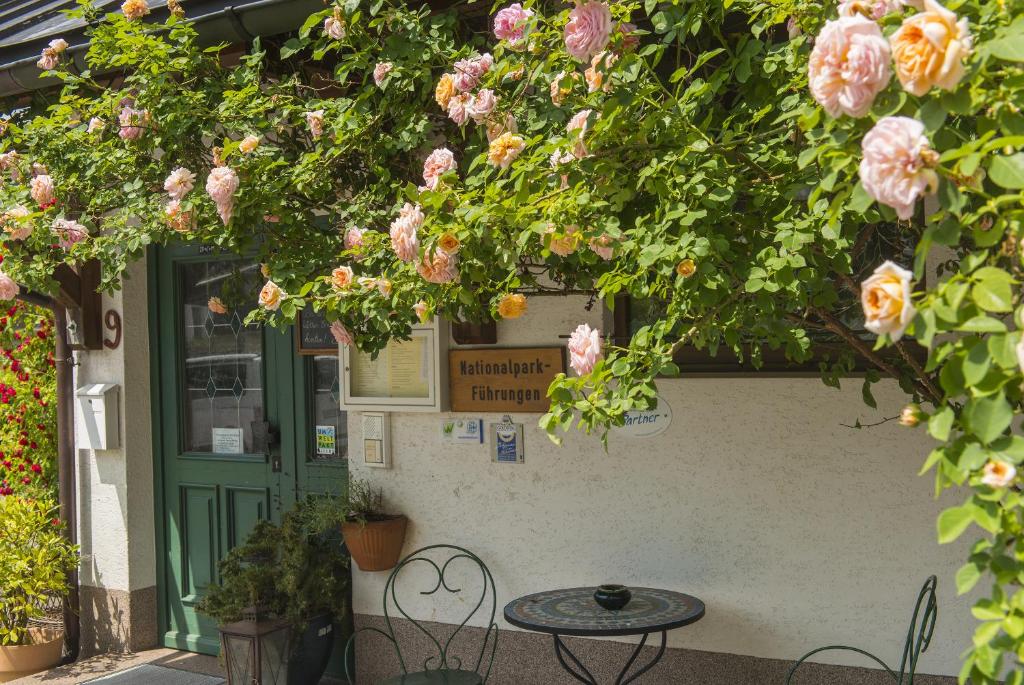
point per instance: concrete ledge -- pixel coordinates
(529, 659)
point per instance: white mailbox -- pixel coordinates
(98, 416)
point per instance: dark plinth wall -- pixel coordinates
(529, 659)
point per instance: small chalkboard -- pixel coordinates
(313, 334)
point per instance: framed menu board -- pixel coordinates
(313, 333)
(407, 375)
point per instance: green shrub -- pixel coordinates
(35, 560)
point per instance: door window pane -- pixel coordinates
(329, 424)
(223, 358)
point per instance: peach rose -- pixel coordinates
(512, 306)
(998, 474)
(9, 288)
(603, 246)
(438, 163)
(221, 185)
(584, 349)
(872, 10)
(449, 243)
(686, 268)
(354, 239)
(482, 105)
(178, 219)
(459, 107)
(95, 124)
(42, 190)
(216, 305)
(588, 29)
(48, 59)
(885, 298)
(384, 286)
(929, 49)
(404, 239)
(599, 67)
(68, 233)
(849, 66)
(896, 167)
(271, 296)
(440, 268)
(249, 144)
(14, 224)
(911, 415)
(342, 277)
(421, 310)
(559, 90)
(504, 149)
(495, 127)
(444, 91)
(134, 9)
(341, 334)
(563, 244)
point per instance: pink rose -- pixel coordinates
(849, 66)
(334, 26)
(603, 246)
(68, 232)
(510, 24)
(459, 107)
(588, 29)
(440, 268)
(48, 59)
(404, 240)
(897, 164)
(482, 105)
(133, 122)
(42, 190)
(354, 239)
(469, 71)
(315, 123)
(179, 183)
(579, 122)
(872, 9)
(8, 287)
(584, 349)
(438, 163)
(95, 124)
(221, 186)
(341, 334)
(381, 70)
(58, 45)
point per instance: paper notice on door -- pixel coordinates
(227, 441)
(326, 441)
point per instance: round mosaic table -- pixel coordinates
(574, 612)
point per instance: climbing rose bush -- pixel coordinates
(837, 184)
(28, 430)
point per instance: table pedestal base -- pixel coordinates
(577, 670)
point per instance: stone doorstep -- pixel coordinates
(105, 664)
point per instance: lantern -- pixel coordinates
(256, 651)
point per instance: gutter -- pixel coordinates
(219, 22)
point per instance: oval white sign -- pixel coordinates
(647, 423)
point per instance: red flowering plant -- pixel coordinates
(28, 421)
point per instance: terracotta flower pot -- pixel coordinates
(377, 545)
(44, 652)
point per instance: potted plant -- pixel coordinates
(35, 561)
(290, 576)
(374, 538)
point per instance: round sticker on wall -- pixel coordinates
(647, 423)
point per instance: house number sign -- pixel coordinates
(508, 380)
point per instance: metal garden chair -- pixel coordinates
(442, 667)
(919, 634)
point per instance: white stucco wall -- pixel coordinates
(795, 530)
(116, 528)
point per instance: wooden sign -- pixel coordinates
(313, 334)
(508, 380)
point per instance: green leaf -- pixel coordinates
(967, 577)
(1008, 172)
(940, 423)
(983, 324)
(992, 289)
(1009, 49)
(989, 416)
(953, 522)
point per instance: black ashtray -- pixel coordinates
(612, 597)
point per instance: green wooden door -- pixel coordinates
(235, 420)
